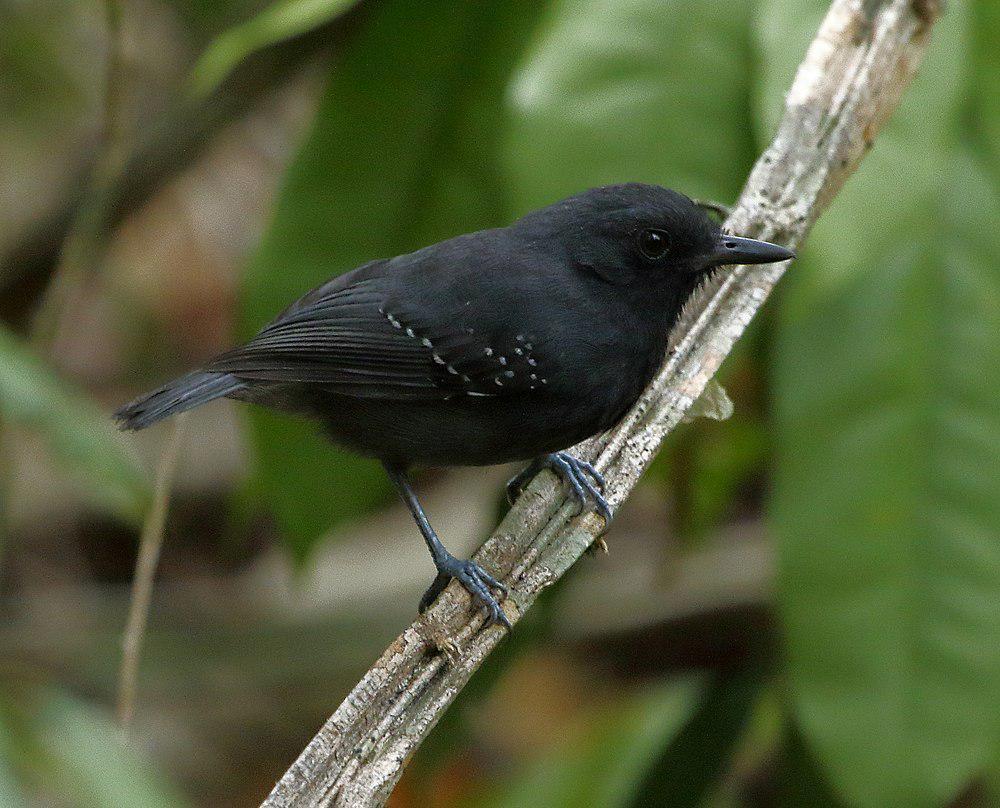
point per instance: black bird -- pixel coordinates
(506, 344)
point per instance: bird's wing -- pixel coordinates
(357, 340)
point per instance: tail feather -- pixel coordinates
(181, 394)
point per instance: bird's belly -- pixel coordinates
(459, 432)
(472, 430)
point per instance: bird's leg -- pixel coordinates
(584, 481)
(517, 483)
(473, 577)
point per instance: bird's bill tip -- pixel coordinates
(736, 250)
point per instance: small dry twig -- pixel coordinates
(848, 85)
(145, 569)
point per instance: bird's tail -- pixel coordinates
(176, 396)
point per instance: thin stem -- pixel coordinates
(145, 570)
(86, 242)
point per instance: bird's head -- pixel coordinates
(644, 235)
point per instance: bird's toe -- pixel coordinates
(514, 487)
(590, 470)
(436, 588)
(586, 483)
(517, 483)
(477, 582)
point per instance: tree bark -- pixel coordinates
(849, 83)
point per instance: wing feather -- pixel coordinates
(356, 340)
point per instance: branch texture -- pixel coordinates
(850, 82)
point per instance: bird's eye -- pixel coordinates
(654, 243)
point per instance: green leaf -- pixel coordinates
(984, 120)
(693, 761)
(887, 490)
(11, 793)
(783, 30)
(604, 766)
(798, 777)
(83, 757)
(403, 152)
(280, 21)
(79, 434)
(720, 464)
(636, 90)
(38, 88)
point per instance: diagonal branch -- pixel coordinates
(848, 85)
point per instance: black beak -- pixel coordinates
(736, 250)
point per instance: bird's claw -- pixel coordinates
(477, 582)
(517, 483)
(584, 480)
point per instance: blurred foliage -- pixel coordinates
(275, 23)
(887, 498)
(635, 90)
(981, 116)
(32, 397)
(214, 17)
(691, 765)
(865, 395)
(36, 81)
(581, 771)
(714, 470)
(402, 153)
(801, 780)
(56, 745)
